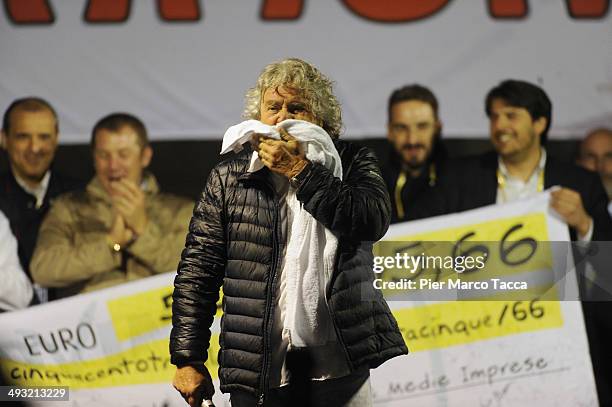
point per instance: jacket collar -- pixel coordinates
(262, 177)
(259, 178)
(39, 192)
(551, 168)
(554, 172)
(540, 167)
(13, 185)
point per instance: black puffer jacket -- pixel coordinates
(234, 240)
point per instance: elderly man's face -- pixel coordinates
(284, 103)
(596, 155)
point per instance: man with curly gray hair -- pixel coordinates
(313, 86)
(239, 237)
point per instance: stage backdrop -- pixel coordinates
(183, 65)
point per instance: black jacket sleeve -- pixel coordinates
(199, 277)
(357, 207)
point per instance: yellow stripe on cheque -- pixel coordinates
(137, 314)
(143, 364)
(448, 324)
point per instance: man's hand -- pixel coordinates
(285, 157)
(129, 201)
(568, 204)
(119, 233)
(194, 383)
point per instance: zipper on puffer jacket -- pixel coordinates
(332, 315)
(269, 302)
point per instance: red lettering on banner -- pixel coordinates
(508, 8)
(390, 11)
(282, 9)
(179, 10)
(395, 11)
(587, 8)
(107, 11)
(29, 11)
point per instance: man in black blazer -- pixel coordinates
(519, 117)
(30, 132)
(416, 157)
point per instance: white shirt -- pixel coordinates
(37, 192)
(328, 360)
(15, 289)
(514, 188)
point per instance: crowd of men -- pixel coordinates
(112, 226)
(520, 115)
(61, 237)
(71, 237)
(423, 182)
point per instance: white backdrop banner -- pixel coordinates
(183, 66)
(110, 347)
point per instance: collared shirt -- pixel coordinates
(515, 188)
(37, 192)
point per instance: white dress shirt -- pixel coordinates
(37, 192)
(328, 360)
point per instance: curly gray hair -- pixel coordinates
(307, 80)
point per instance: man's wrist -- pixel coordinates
(297, 168)
(113, 244)
(299, 173)
(117, 245)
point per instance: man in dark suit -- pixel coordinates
(416, 157)
(30, 133)
(519, 118)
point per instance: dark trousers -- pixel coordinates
(303, 392)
